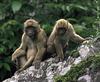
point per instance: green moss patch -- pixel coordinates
(78, 70)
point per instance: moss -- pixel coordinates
(74, 53)
(78, 70)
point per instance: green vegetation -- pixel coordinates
(8, 43)
(83, 14)
(80, 69)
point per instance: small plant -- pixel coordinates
(10, 33)
(79, 69)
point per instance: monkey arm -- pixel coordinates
(59, 49)
(40, 53)
(17, 53)
(51, 38)
(27, 64)
(38, 57)
(73, 36)
(50, 41)
(21, 50)
(41, 45)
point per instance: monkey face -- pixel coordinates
(61, 31)
(31, 31)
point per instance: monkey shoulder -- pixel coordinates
(42, 31)
(70, 28)
(42, 37)
(42, 34)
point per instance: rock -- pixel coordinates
(89, 49)
(86, 51)
(48, 69)
(82, 80)
(85, 78)
(97, 77)
(45, 73)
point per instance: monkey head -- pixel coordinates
(31, 28)
(61, 31)
(61, 26)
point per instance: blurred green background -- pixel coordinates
(83, 14)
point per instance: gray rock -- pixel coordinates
(47, 70)
(85, 78)
(97, 77)
(45, 73)
(82, 80)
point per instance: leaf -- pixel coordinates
(1, 65)
(72, 19)
(68, 8)
(8, 59)
(81, 7)
(79, 28)
(63, 7)
(1, 50)
(6, 66)
(78, 7)
(16, 5)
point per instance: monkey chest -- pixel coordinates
(32, 44)
(31, 53)
(63, 39)
(31, 50)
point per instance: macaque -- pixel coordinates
(33, 45)
(62, 32)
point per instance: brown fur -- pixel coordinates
(54, 39)
(29, 50)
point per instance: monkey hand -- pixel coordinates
(14, 57)
(59, 59)
(18, 71)
(85, 42)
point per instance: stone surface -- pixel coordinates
(47, 70)
(97, 77)
(85, 78)
(45, 73)
(85, 52)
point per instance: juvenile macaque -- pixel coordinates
(33, 45)
(62, 32)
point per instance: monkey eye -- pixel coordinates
(61, 28)
(31, 27)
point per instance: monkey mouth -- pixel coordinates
(31, 27)
(31, 35)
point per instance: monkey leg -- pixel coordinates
(59, 49)
(21, 61)
(31, 53)
(51, 52)
(50, 49)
